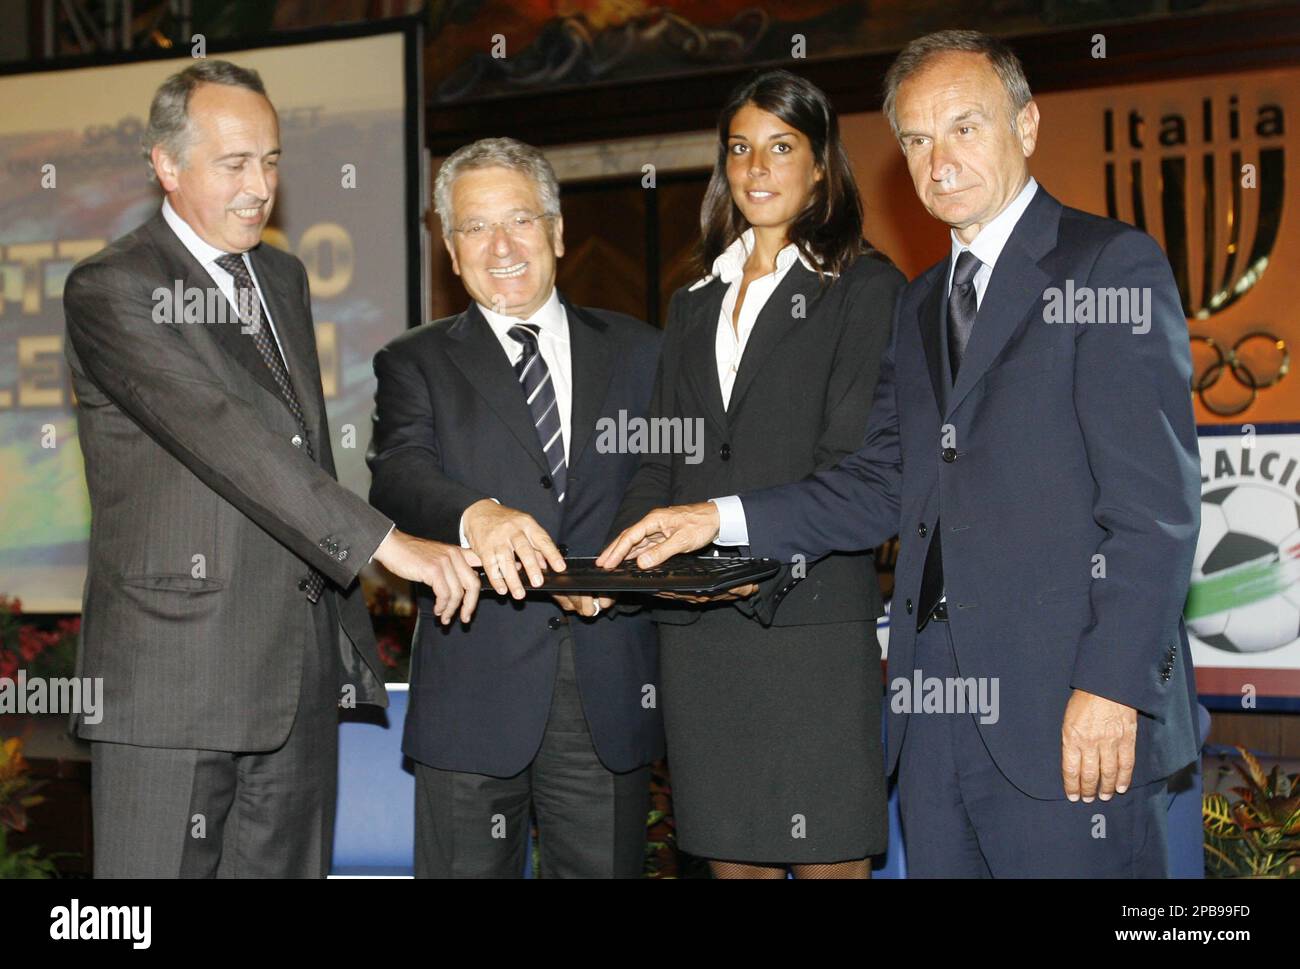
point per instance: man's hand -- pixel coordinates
(1098, 742)
(447, 569)
(588, 606)
(498, 535)
(663, 533)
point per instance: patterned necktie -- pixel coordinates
(962, 307)
(539, 391)
(250, 306)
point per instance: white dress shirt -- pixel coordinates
(553, 344)
(987, 246)
(207, 256)
(730, 341)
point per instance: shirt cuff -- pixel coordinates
(386, 534)
(464, 542)
(732, 527)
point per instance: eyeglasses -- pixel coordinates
(516, 225)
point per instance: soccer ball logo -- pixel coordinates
(1245, 592)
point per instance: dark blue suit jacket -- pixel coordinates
(452, 427)
(1057, 444)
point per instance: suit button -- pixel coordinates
(302, 585)
(296, 440)
(949, 454)
(562, 549)
(546, 481)
(553, 622)
(908, 606)
(724, 452)
(922, 530)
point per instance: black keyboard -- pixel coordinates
(702, 574)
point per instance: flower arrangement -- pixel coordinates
(40, 651)
(394, 623)
(1259, 835)
(17, 796)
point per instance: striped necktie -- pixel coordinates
(249, 305)
(539, 392)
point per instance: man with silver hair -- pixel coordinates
(1043, 480)
(222, 608)
(485, 434)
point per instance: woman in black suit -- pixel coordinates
(773, 715)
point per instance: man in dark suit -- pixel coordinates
(1043, 477)
(485, 432)
(223, 552)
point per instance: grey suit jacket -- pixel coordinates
(204, 514)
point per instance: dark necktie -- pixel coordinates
(539, 392)
(249, 305)
(962, 307)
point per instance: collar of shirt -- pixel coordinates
(550, 318)
(992, 239)
(731, 264)
(206, 254)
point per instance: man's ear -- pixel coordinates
(557, 236)
(1027, 125)
(451, 251)
(165, 168)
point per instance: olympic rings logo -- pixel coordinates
(1258, 347)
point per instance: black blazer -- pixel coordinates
(451, 427)
(799, 404)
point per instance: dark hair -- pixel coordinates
(918, 53)
(169, 114)
(828, 232)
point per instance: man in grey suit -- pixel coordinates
(223, 552)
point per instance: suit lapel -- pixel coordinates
(297, 337)
(702, 364)
(591, 367)
(775, 320)
(1016, 285)
(179, 264)
(475, 349)
(932, 318)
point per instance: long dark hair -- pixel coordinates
(829, 231)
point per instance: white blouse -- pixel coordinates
(729, 346)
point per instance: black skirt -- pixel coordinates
(774, 739)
